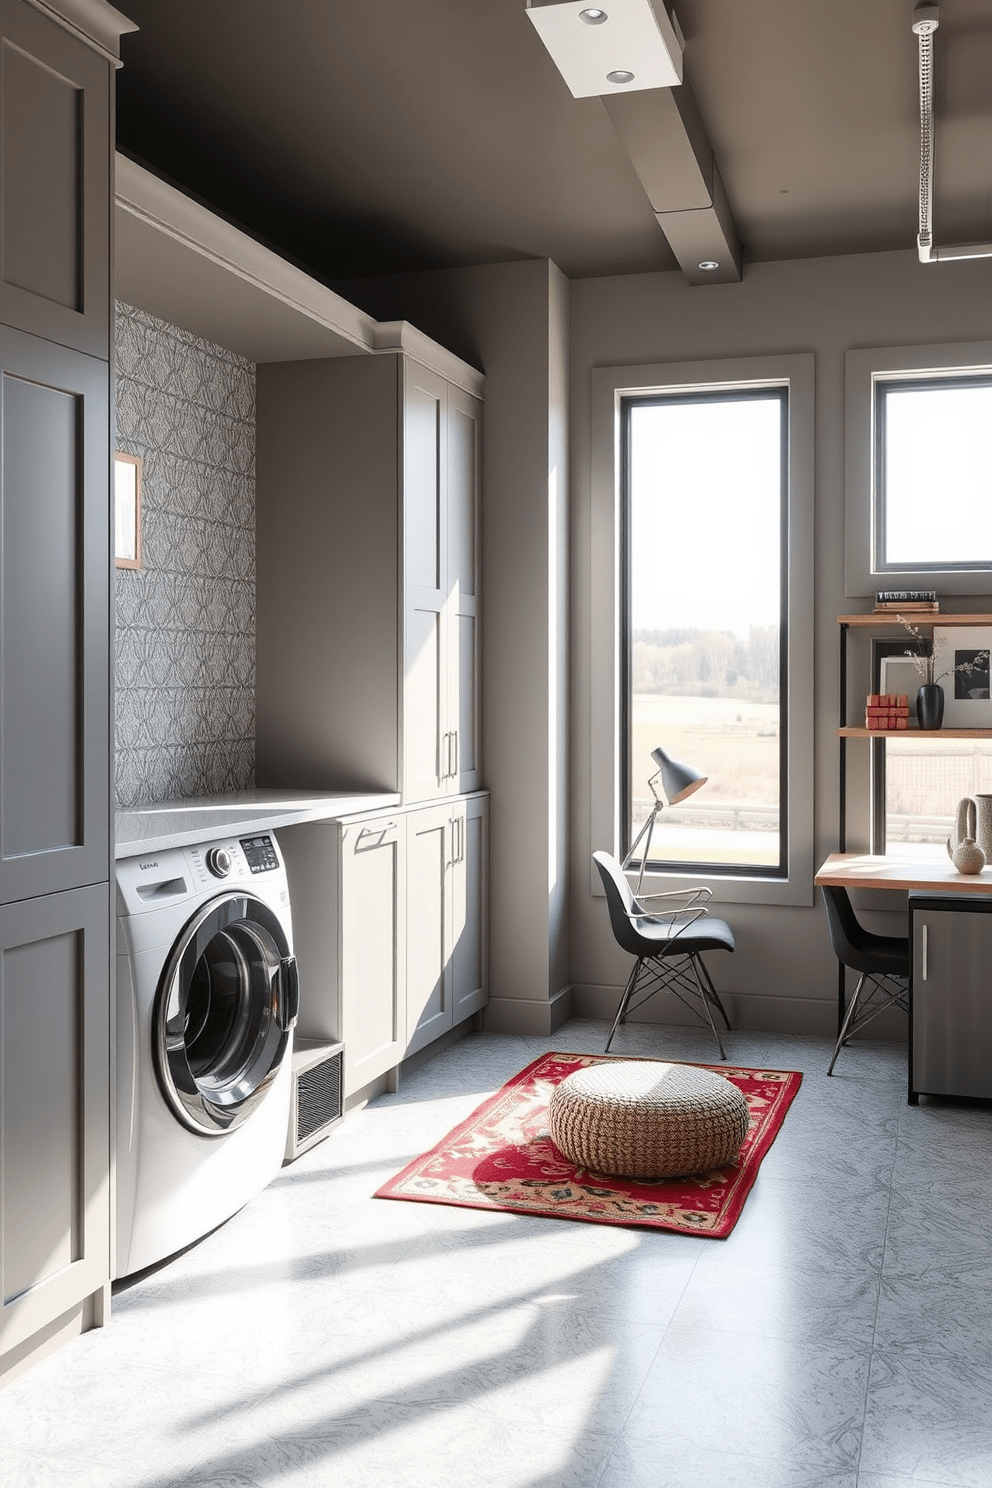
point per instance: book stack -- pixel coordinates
(887, 710)
(907, 601)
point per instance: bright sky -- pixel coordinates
(705, 514)
(938, 475)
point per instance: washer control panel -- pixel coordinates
(260, 853)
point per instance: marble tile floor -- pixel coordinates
(841, 1336)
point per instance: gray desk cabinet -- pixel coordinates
(367, 576)
(951, 1018)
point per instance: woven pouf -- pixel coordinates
(642, 1119)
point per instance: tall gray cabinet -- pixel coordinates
(367, 676)
(56, 88)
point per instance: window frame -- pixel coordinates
(864, 371)
(610, 385)
(779, 393)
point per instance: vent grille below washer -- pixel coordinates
(318, 1098)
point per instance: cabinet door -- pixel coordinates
(373, 948)
(464, 470)
(54, 644)
(54, 1060)
(951, 1034)
(468, 914)
(426, 755)
(55, 212)
(430, 835)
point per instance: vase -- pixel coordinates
(930, 705)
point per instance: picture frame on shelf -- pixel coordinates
(967, 694)
(893, 671)
(898, 674)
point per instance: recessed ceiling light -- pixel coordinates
(709, 264)
(620, 76)
(593, 17)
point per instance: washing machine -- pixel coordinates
(207, 998)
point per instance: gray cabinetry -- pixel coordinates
(390, 928)
(54, 643)
(54, 1057)
(446, 921)
(951, 1017)
(367, 564)
(56, 72)
(55, 227)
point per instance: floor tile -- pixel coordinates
(928, 1418)
(836, 1339)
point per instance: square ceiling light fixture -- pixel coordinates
(619, 46)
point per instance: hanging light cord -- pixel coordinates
(924, 31)
(926, 19)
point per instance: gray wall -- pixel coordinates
(185, 645)
(783, 974)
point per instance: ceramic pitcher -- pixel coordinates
(973, 820)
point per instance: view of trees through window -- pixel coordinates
(705, 536)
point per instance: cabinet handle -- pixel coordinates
(457, 839)
(379, 832)
(923, 957)
(454, 740)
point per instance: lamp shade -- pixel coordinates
(678, 780)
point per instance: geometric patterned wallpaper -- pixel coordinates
(185, 637)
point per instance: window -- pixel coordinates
(705, 520)
(919, 469)
(673, 561)
(933, 474)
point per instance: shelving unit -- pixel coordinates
(884, 620)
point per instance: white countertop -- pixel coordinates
(202, 818)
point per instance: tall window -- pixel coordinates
(933, 473)
(705, 506)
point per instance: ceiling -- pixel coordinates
(362, 137)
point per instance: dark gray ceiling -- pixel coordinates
(368, 136)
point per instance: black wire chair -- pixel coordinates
(668, 945)
(883, 961)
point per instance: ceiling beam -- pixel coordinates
(666, 141)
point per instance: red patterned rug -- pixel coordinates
(503, 1158)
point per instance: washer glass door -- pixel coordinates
(225, 1007)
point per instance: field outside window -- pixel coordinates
(705, 631)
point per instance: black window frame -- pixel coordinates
(774, 392)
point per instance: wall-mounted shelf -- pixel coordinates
(942, 733)
(926, 618)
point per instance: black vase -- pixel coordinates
(930, 706)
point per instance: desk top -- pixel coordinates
(877, 871)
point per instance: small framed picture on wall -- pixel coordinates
(962, 669)
(127, 511)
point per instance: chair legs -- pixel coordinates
(875, 992)
(656, 974)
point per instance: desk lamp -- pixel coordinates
(678, 781)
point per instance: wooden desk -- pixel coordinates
(886, 871)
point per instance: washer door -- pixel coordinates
(227, 1001)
